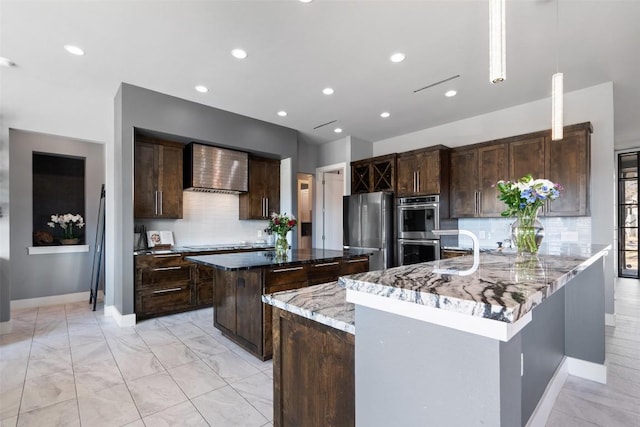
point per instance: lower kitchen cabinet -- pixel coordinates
(313, 373)
(204, 286)
(238, 309)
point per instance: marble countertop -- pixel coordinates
(505, 287)
(247, 260)
(325, 303)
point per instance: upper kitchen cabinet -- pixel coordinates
(263, 197)
(526, 157)
(423, 171)
(474, 173)
(568, 162)
(158, 179)
(374, 174)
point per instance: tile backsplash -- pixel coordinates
(492, 230)
(208, 218)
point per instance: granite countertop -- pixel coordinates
(504, 287)
(222, 247)
(247, 260)
(325, 303)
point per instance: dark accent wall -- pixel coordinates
(136, 107)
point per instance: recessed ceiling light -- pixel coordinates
(306, 1)
(327, 91)
(450, 93)
(74, 50)
(202, 89)
(337, 130)
(282, 113)
(6, 62)
(385, 114)
(239, 53)
(397, 57)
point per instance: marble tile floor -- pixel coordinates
(65, 365)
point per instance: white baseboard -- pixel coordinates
(587, 370)
(610, 319)
(122, 321)
(52, 300)
(545, 405)
(5, 327)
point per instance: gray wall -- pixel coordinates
(143, 108)
(34, 276)
(308, 157)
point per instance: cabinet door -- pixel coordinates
(249, 308)
(360, 177)
(383, 172)
(492, 167)
(568, 163)
(224, 300)
(145, 172)
(464, 188)
(526, 157)
(406, 183)
(429, 171)
(354, 265)
(204, 286)
(170, 181)
(272, 188)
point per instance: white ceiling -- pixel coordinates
(297, 49)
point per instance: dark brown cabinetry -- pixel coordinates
(374, 174)
(526, 157)
(568, 162)
(164, 284)
(158, 179)
(263, 197)
(424, 171)
(474, 172)
(313, 373)
(239, 312)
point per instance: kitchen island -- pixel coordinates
(240, 280)
(491, 348)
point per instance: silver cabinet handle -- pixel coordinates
(479, 202)
(358, 260)
(476, 211)
(164, 291)
(156, 198)
(418, 175)
(414, 182)
(282, 270)
(160, 202)
(326, 264)
(167, 256)
(166, 268)
(266, 206)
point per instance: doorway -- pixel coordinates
(329, 189)
(628, 214)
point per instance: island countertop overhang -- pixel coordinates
(495, 301)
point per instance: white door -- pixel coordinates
(328, 216)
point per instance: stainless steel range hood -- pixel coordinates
(215, 170)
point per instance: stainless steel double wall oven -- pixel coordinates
(416, 218)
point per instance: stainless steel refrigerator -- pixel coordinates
(368, 224)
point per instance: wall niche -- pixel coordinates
(58, 189)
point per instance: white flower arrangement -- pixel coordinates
(67, 223)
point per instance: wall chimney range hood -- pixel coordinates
(215, 170)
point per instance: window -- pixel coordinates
(58, 189)
(628, 214)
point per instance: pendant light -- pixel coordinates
(497, 44)
(557, 93)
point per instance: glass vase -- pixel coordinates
(527, 232)
(281, 245)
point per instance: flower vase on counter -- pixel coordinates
(280, 225)
(282, 246)
(527, 232)
(524, 198)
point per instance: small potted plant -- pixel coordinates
(71, 225)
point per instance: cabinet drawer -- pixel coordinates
(160, 260)
(355, 265)
(163, 299)
(164, 275)
(323, 272)
(285, 274)
(269, 289)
